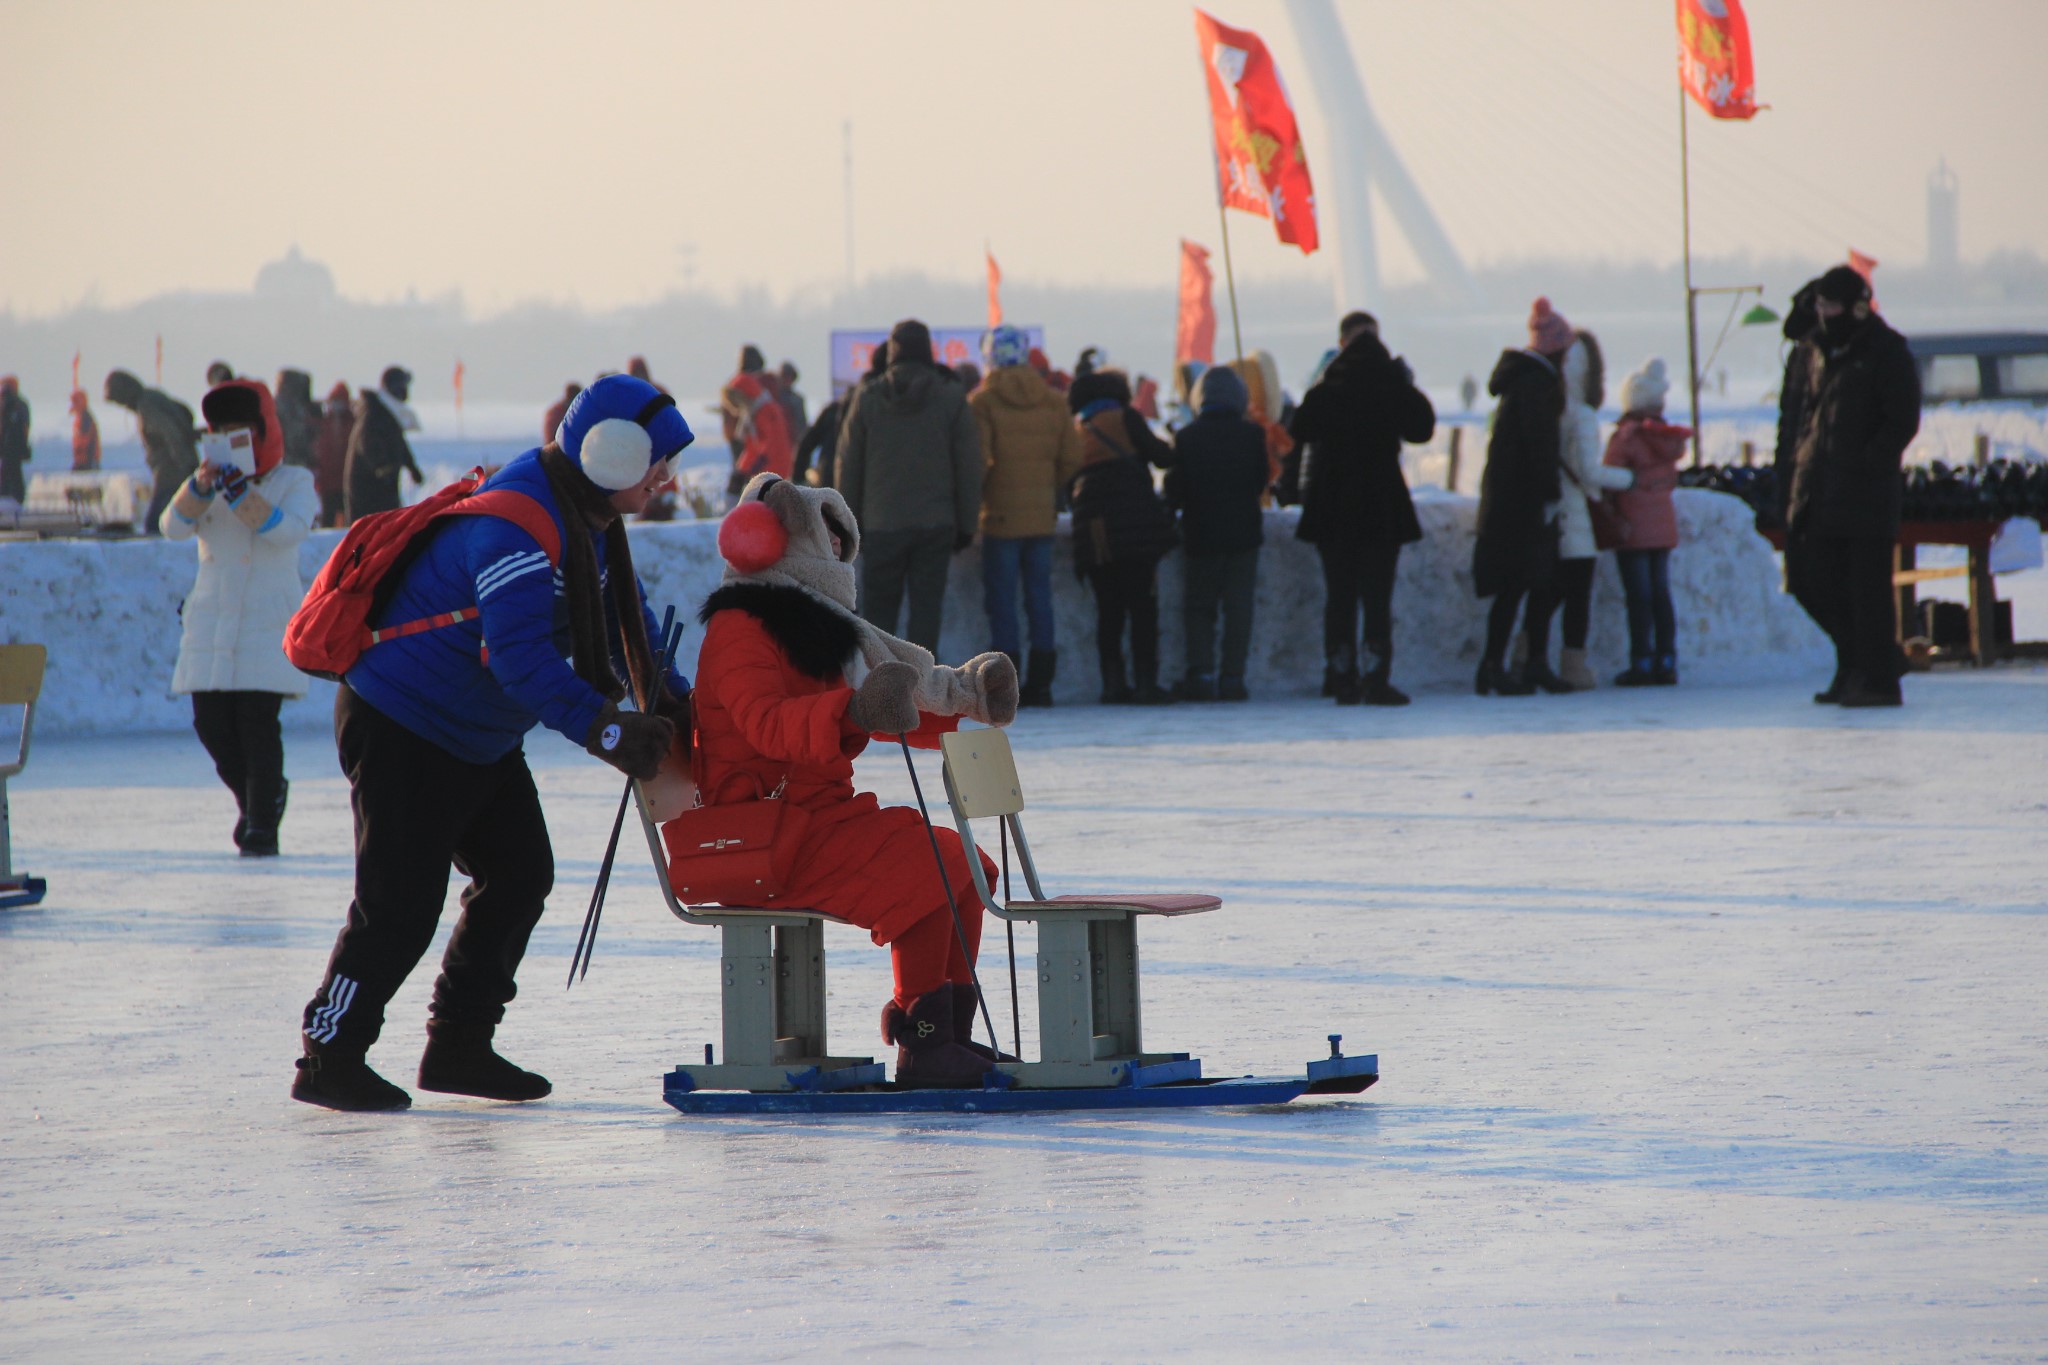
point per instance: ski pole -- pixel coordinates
(959, 930)
(586, 942)
(1010, 932)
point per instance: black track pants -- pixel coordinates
(241, 734)
(419, 810)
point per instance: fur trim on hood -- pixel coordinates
(809, 517)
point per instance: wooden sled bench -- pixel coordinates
(772, 963)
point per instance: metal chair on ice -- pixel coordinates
(1090, 1017)
(21, 682)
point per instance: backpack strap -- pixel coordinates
(509, 504)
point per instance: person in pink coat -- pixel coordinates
(1650, 447)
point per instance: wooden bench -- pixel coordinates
(21, 683)
(772, 963)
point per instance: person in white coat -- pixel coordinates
(249, 523)
(1579, 455)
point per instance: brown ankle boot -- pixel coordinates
(927, 1057)
(966, 1013)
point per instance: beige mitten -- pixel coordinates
(993, 680)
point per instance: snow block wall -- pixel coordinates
(109, 612)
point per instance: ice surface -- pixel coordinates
(1711, 1024)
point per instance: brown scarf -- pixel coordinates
(585, 507)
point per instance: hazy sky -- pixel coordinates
(605, 152)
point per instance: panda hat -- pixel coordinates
(619, 428)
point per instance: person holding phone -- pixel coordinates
(248, 510)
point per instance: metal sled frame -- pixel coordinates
(776, 1060)
(21, 682)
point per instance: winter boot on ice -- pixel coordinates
(257, 838)
(338, 1078)
(1640, 673)
(1665, 672)
(1857, 693)
(1116, 689)
(1037, 688)
(1340, 677)
(1195, 687)
(1375, 690)
(459, 1060)
(927, 1057)
(1571, 666)
(1834, 689)
(1494, 678)
(1536, 676)
(966, 1014)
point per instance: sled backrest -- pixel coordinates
(981, 774)
(21, 682)
(21, 673)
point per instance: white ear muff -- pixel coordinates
(616, 454)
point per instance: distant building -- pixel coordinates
(293, 278)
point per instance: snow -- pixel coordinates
(1710, 1023)
(109, 612)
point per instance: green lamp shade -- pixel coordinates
(1758, 316)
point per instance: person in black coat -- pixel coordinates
(14, 442)
(1217, 480)
(1121, 532)
(1859, 412)
(1516, 549)
(377, 448)
(1355, 507)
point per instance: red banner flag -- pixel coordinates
(458, 385)
(1260, 165)
(77, 358)
(159, 359)
(1195, 338)
(1713, 57)
(995, 289)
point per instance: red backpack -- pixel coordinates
(331, 629)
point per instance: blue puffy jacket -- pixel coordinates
(437, 684)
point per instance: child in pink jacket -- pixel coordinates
(1651, 447)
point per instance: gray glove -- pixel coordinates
(994, 680)
(886, 701)
(633, 743)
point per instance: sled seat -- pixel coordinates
(771, 991)
(1090, 1024)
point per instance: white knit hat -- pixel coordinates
(1645, 389)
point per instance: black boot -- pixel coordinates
(1495, 678)
(338, 1078)
(459, 1060)
(258, 838)
(966, 1013)
(1835, 688)
(1376, 690)
(1116, 691)
(1536, 674)
(927, 1057)
(1340, 677)
(1037, 688)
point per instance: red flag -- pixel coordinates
(1260, 165)
(458, 386)
(1866, 266)
(159, 358)
(995, 289)
(76, 358)
(1713, 57)
(1195, 338)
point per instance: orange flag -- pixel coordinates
(159, 358)
(76, 358)
(1261, 167)
(458, 385)
(995, 289)
(1713, 57)
(1195, 338)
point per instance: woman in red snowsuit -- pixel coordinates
(776, 705)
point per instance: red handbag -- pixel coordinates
(736, 854)
(1610, 524)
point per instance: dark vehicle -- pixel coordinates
(1982, 367)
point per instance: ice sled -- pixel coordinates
(21, 682)
(773, 1056)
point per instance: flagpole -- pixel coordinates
(1229, 276)
(1692, 329)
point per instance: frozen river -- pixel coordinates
(1712, 1025)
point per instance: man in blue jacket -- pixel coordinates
(430, 725)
